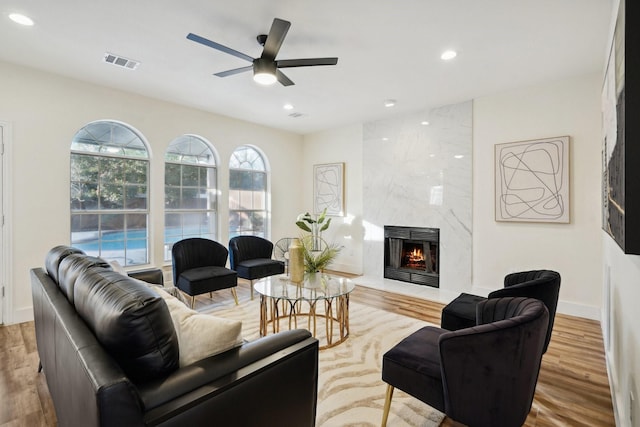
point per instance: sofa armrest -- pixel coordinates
(269, 367)
(149, 275)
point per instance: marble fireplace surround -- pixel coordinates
(419, 175)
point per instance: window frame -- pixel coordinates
(264, 172)
(211, 210)
(134, 240)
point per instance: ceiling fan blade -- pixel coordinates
(276, 36)
(309, 62)
(196, 38)
(284, 80)
(234, 71)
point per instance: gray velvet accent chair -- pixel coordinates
(539, 284)
(250, 257)
(199, 267)
(480, 376)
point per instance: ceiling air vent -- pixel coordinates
(121, 61)
(296, 115)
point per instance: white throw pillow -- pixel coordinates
(200, 335)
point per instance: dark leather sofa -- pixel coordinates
(110, 358)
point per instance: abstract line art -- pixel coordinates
(532, 180)
(328, 188)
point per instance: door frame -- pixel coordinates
(6, 271)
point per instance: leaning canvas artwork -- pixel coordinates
(532, 180)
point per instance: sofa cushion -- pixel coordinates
(54, 258)
(200, 335)
(71, 267)
(130, 321)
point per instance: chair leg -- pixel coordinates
(193, 300)
(387, 405)
(39, 366)
(210, 295)
(235, 295)
(251, 286)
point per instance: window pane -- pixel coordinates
(84, 196)
(246, 200)
(84, 168)
(112, 170)
(111, 197)
(190, 198)
(112, 226)
(259, 201)
(189, 175)
(136, 197)
(84, 228)
(234, 199)
(136, 171)
(171, 198)
(172, 225)
(235, 179)
(172, 174)
(257, 222)
(259, 181)
(136, 226)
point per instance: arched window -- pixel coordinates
(248, 207)
(190, 191)
(109, 193)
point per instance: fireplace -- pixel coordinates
(412, 254)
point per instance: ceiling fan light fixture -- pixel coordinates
(264, 72)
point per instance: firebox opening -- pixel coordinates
(412, 254)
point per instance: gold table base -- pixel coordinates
(337, 314)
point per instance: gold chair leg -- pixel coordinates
(235, 295)
(251, 286)
(387, 405)
(193, 300)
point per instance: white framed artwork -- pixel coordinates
(328, 189)
(532, 180)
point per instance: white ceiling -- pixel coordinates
(386, 49)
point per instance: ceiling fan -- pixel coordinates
(266, 68)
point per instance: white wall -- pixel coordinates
(568, 107)
(335, 146)
(45, 112)
(623, 351)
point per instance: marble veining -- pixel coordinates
(420, 176)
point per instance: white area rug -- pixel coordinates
(350, 389)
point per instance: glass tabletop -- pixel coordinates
(314, 287)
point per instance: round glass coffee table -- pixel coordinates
(319, 296)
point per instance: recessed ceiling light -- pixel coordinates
(21, 19)
(385, 138)
(424, 123)
(432, 155)
(287, 107)
(458, 156)
(389, 103)
(448, 54)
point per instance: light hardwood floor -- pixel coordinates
(572, 390)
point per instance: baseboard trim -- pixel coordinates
(564, 307)
(21, 315)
